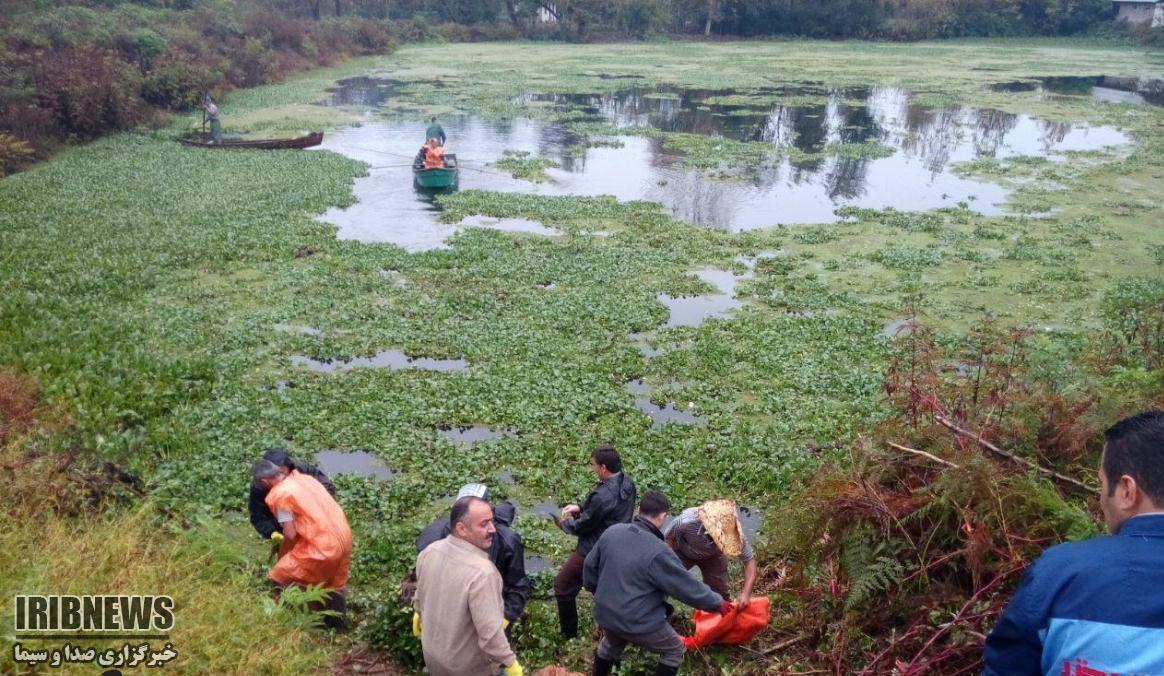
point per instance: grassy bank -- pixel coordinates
(149, 289)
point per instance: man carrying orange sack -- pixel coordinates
(317, 542)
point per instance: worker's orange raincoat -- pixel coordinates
(322, 550)
(434, 156)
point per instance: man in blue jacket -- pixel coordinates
(631, 571)
(1096, 608)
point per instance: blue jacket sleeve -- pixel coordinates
(1014, 647)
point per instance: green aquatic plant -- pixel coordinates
(520, 165)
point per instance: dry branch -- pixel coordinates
(1011, 456)
(935, 458)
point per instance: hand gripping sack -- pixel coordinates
(735, 628)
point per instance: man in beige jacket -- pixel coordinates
(459, 609)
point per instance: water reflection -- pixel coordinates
(1100, 87)
(812, 180)
(695, 310)
(392, 359)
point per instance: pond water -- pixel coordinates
(750, 519)
(547, 509)
(925, 142)
(362, 463)
(537, 564)
(660, 415)
(1100, 87)
(695, 310)
(391, 359)
(467, 435)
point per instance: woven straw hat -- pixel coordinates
(720, 520)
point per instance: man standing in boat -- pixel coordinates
(211, 112)
(435, 130)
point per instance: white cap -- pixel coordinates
(473, 490)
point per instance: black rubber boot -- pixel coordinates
(337, 602)
(568, 616)
(602, 667)
(664, 670)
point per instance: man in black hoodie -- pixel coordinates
(261, 517)
(507, 551)
(611, 501)
(631, 572)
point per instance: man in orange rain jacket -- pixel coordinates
(317, 542)
(434, 154)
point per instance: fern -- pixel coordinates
(870, 567)
(881, 575)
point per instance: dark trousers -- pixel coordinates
(714, 570)
(566, 587)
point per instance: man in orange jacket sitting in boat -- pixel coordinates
(317, 542)
(434, 154)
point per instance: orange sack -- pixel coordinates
(735, 628)
(322, 551)
(434, 158)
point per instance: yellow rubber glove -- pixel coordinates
(277, 536)
(514, 669)
(504, 624)
(416, 624)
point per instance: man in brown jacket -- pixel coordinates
(459, 609)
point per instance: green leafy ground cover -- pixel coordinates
(144, 281)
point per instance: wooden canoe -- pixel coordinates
(436, 178)
(203, 141)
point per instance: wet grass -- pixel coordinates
(145, 284)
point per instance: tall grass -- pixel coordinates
(65, 530)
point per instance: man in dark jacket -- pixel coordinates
(261, 517)
(507, 551)
(1097, 607)
(632, 572)
(612, 501)
(435, 130)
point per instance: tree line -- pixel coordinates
(878, 19)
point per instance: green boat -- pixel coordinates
(436, 178)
